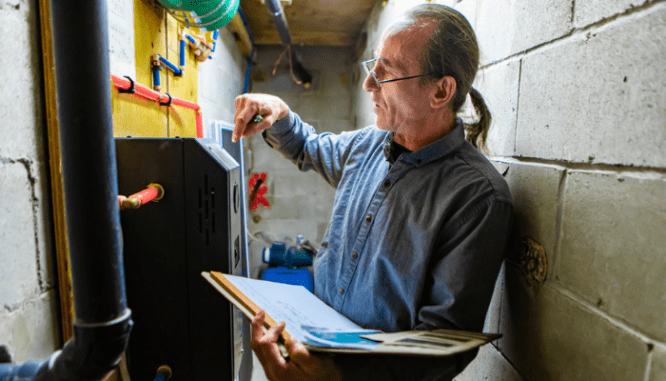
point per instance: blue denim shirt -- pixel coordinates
(413, 245)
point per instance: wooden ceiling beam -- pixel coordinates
(307, 37)
(311, 22)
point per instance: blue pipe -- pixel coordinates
(156, 67)
(176, 71)
(182, 53)
(216, 33)
(247, 27)
(246, 87)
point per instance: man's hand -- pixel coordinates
(270, 108)
(300, 365)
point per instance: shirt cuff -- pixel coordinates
(284, 124)
(279, 128)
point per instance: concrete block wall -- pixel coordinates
(301, 203)
(578, 95)
(221, 80)
(29, 305)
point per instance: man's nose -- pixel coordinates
(369, 84)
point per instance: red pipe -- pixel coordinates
(154, 192)
(123, 83)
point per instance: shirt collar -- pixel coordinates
(441, 147)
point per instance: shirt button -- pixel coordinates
(387, 183)
(354, 255)
(341, 291)
(368, 218)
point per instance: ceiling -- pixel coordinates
(311, 22)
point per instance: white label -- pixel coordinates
(121, 37)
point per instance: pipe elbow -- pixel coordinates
(93, 352)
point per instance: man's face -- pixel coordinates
(400, 106)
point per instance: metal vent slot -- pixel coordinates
(236, 251)
(207, 210)
(212, 208)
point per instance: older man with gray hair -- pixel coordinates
(421, 218)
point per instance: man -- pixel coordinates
(420, 218)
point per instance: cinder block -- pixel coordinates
(282, 207)
(499, 86)
(18, 274)
(20, 84)
(221, 80)
(612, 251)
(266, 159)
(507, 27)
(492, 322)
(32, 332)
(534, 190)
(489, 365)
(286, 229)
(329, 106)
(296, 183)
(332, 66)
(43, 211)
(658, 364)
(587, 12)
(599, 97)
(316, 206)
(549, 336)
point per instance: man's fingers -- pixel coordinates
(297, 350)
(273, 334)
(257, 328)
(265, 345)
(271, 108)
(246, 108)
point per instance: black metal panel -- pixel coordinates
(213, 239)
(155, 264)
(242, 325)
(180, 320)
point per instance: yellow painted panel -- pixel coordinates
(137, 117)
(57, 186)
(181, 120)
(149, 38)
(134, 116)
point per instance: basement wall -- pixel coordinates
(577, 89)
(300, 203)
(29, 308)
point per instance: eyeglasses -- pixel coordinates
(369, 67)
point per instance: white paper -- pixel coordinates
(121, 37)
(296, 306)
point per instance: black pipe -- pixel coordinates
(88, 165)
(280, 20)
(276, 10)
(88, 158)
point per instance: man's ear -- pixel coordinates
(446, 88)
